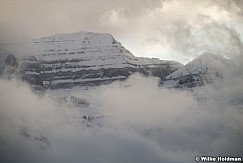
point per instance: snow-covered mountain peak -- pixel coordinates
(205, 63)
(74, 42)
(87, 58)
(80, 37)
(205, 69)
(207, 59)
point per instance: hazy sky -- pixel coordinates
(167, 29)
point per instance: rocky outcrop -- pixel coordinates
(29, 71)
(86, 58)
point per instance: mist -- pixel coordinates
(141, 121)
(145, 27)
(144, 123)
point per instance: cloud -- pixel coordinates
(182, 125)
(184, 29)
(182, 34)
(145, 123)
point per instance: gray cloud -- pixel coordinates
(234, 6)
(184, 29)
(145, 124)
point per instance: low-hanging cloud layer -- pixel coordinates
(168, 29)
(145, 123)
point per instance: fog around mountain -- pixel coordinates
(144, 123)
(136, 119)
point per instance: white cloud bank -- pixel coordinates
(168, 29)
(147, 124)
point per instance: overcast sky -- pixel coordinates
(167, 29)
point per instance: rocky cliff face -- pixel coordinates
(29, 70)
(85, 58)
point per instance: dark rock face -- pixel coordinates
(101, 76)
(8, 66)
(11, 61)
(26, 69)
(29, 70)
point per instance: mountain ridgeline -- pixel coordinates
(85, 59)
(89, 59)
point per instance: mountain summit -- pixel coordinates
(203, 69)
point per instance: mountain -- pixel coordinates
(30, 70)
(204, 69)
(86, 59)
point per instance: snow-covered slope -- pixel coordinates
(205, 68)
(87, 58)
